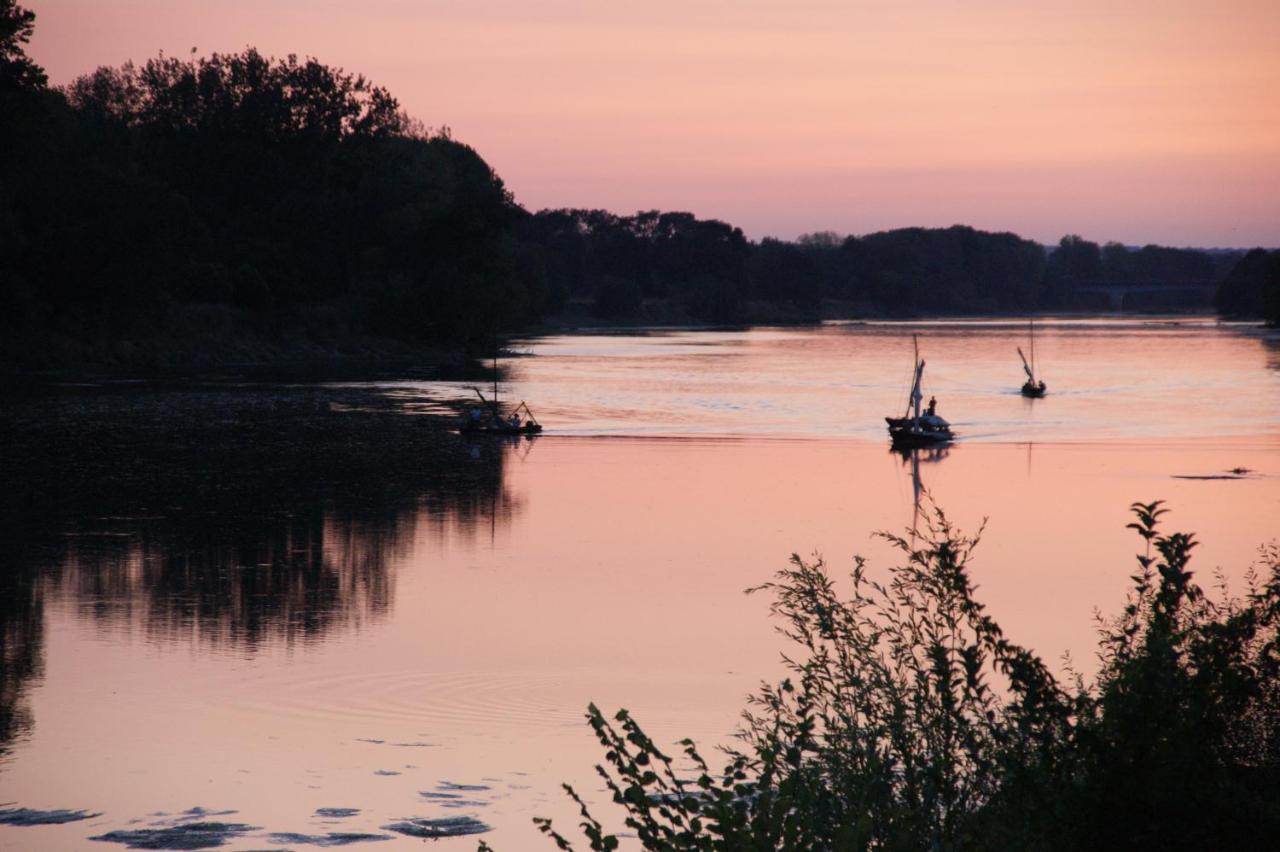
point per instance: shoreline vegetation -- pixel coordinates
(910, 721)
(239, 213)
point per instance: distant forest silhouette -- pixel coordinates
(244, 209)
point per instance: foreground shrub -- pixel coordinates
(908, 721)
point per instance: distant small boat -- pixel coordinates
(1032, 387)
(488, 419)
(916, 428)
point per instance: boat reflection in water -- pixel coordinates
(914, 457)
(21, 652)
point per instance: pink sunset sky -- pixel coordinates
(1133, 120)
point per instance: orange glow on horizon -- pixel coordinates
(1155, 122)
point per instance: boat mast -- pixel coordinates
(1031, 331)
(1026, 367)
(915, 384)
(497, 412)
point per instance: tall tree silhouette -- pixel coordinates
(17, 71)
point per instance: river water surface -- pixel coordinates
(313, 645)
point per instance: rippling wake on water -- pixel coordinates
(301, 616)
(1109, 379)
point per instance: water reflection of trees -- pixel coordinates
(291, 582)
(1271, 345)
(240, 519)
(21, 651)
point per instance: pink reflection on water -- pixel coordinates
(618, 581)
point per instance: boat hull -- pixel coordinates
(492, 429)
(907, 432)
(1034, 390)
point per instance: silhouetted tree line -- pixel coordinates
(1252, 288)
(712, 271)
(244, 208)
(615, 263)
(618, 261)
(238, 195)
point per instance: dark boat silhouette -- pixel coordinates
(918, 428)
(1032, 387)
(488, 419)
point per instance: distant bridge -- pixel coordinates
(1181, 292)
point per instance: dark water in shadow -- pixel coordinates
(236, 518)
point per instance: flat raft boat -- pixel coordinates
(489, 420)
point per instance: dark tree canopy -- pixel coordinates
(701, 263)
(240, 96)
(235, 206)
(1074, 262)
(716, 274)
(1156, 265)
(956, 269)
(1271, 291)
(17, 71)
(1250, 290)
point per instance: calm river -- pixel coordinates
(325, 647)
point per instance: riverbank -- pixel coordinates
(218, 343)
(217, 346)
(577, 315)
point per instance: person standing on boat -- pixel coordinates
(933, 404)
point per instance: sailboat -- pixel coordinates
(1032, 387)
(488, 417)
(916, 428)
